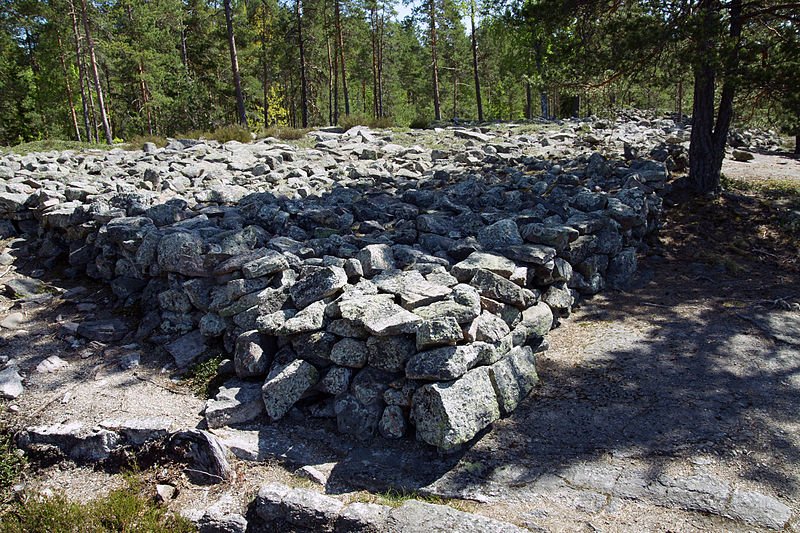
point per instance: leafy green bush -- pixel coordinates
(420, 123)
(284, 133)
(232, 132)
(125, 509)
(137, 142)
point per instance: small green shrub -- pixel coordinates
(11, 462)
(202, 378)
(126, 509)
(284, 133)
(232, 132)
(420, 123)
(137, 142)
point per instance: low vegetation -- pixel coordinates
(128, 509)
(379, 123)
(50, 145)
(203, 378)
(396, 498)
(284, 133)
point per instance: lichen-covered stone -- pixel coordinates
(285, 385)
(438, 332)
(449, 414)
(514, 377)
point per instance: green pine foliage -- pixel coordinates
(164, 65)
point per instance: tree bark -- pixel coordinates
(528, 100)
(331, 67)
(265, 64)
(70, 100)
(434, 60)
(81, 71)
(340, 44)
(707, 143)
(96, 74)
(303, 80)
(478, 99)
(237, 80)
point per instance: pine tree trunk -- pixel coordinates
(373, 22)
(70, 100)
(303, 80)
(265, 64)
(237, 80)
(434, 60)
(340, 45)
(81, 71)
(331, 67)
(478, 99)
(381, 20)
(797, 144)
(528, 101)
(96, 74)
(707, 143)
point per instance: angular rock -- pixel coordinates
(447, 415)
(182, 253)
(350, 353)
(378, 315)
(500, 289)
(355, 418)
(488, 328)
(312, 318)
(498, 264)
(501, 234)
(393, 424)
(103, 330)
(376, 258)
(448, 363)
(10, 383)
(285, 385)
(187, 349)
(390, 353)
(236, 402)
(269, 262)
(362, 518)
(514, 377)
(438, 332)
(321, 284)
(305, 509)
(537, 319)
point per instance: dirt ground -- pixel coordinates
(693, 373)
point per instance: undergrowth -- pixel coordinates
(284, 133)
(350, 121)
(128, 509)
(137, 142)
(203, 379)
(58, 145)
(12, 463)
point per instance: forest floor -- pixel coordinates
(652, 401)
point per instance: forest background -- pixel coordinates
(109, 70)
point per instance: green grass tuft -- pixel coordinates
(57, 145)
(125, 509)
(12, 462)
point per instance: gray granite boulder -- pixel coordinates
(450, 414)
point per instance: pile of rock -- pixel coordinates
(395, 289)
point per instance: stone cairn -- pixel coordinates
(399, 290)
